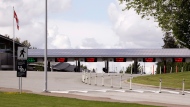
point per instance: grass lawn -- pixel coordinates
(12, 99)
(173, 80)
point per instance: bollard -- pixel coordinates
(102, 79)
(160, 85)
(183, 87)
(171, 70)
(141, 71)
(181, 69)
(90, 78)
(123, 71)
(86, 76)
(111, 81)
(120, 81)
(130, 88)
(96, 79)
(82, 77)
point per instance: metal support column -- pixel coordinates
(78, 66)
(107, 66)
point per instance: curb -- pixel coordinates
(152, 86)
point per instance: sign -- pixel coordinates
(60, 59)
(32, 60)
(148, 59)
(178, 59)
(21, 68)
(119, 59)
(22, 53)
(90, 59)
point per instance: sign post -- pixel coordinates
(22, 55)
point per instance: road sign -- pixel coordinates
(21, 68)
(31, 60)
(22, 53)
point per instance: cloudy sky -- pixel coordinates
(83, 24)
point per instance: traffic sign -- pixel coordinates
(21, 68)
(31, 60)
(22, 53)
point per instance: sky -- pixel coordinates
(80, 24)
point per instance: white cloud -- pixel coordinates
(59, 5)
(134, 32)
(90, 43)
(31, 19)
(60, 41)
(86, 34)
(34, 33)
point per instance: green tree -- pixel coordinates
(128, 70)
(33, 47)
(6, 35)
(83, 66)
(171, 15)
(26, 43)
(169, 41)
(17, 39)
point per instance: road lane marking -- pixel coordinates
(139, 91)
(117, 90)
(173, 92)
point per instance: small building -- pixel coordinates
(6, 52)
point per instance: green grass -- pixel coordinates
(12, 99)
(173, 80)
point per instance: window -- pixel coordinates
(2, 46)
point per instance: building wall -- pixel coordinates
(6, 53)
(6, 61)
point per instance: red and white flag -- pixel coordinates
(16, 18)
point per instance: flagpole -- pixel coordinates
(13, 43)
(14, 49)
(45, 50)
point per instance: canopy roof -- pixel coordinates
(110, 53)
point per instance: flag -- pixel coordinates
(16, 18)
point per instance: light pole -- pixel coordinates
(45, 50)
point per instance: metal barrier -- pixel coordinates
(87, 79)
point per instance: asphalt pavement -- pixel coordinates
(113, 87)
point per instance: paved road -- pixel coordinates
(64, 82)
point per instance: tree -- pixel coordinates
(128, 70)
(171, 15)
(26, 43)
(83, 66)
(169, 41)
(17, 39)
(6, 35)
